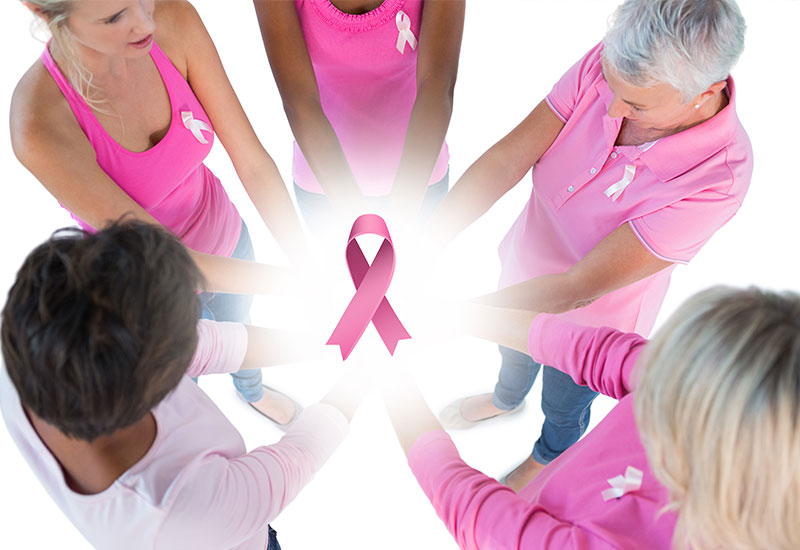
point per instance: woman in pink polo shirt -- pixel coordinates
(702, 451)
(638, 158)
(368, 91)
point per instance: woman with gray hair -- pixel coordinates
(702, 451)
(638, 159)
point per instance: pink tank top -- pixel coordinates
(169, 180)
(365, 67)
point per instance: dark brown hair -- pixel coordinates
(99, 328)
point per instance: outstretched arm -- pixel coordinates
(478, 511)
(437, 67)
(254, 166)
(294, 75)
(618, 260)
(495, 173)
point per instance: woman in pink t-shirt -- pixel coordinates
(368, 91)
(116, 118)
(702, 450)
(638, 158)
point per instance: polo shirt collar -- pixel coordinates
(676, 154)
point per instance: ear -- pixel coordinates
(712, 91)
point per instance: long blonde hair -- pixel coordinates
(55, 14)
(717, 404)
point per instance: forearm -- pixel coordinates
(554, 293)
(504, 326)
(324, 154)
(427, 128)
(484, 183)
(267, 347)
(410, 415)
(495, 173)
(266, 189)
(235, 276)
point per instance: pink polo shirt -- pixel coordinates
(367, 87)
(197, 486)
(684, 188)
(563, 507)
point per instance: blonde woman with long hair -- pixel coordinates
(702, 451)
(116, 118)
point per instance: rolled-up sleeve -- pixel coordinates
(600, 358)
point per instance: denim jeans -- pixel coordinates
(318, 212)
(236, 307)
(565, 404)
(272, 540)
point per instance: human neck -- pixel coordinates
(631, 134)
(101, 67)
(92, 467)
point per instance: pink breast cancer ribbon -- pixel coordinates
(371, 281)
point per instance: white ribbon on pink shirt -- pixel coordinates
(616, 189)
(195, 126)
(404, 32)
(622, 485)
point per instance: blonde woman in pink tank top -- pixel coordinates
(116, 118)
(368, 90)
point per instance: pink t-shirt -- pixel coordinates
(563, 507)
(367, 87)
(169, 180)
(196, 487)
(680, 190)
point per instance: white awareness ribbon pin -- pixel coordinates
(616, 189)
(195, 126)
(622, 485)
(404, 32)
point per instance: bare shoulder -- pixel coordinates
(40, 115)
(178, 26)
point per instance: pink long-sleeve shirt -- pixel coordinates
(197, 487)
(563, 507)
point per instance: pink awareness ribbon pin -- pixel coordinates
(371, 281)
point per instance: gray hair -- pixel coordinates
(688, 44)
(717, 404)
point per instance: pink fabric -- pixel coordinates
(563, 506)
(196, 487)
(686, 187)
(169, 180)
(366, 86)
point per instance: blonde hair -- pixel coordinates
(717, 405)
(55, 13)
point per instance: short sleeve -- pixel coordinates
(569, 90)
(677, 232)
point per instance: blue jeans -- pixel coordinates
(272, 540)
(236, 307)
(318, 212)
(565, 404)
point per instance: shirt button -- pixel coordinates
(571, 188)
(593, 171)
(614, 155)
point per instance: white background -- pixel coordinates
(513, 51)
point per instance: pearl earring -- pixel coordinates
(697, 106)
